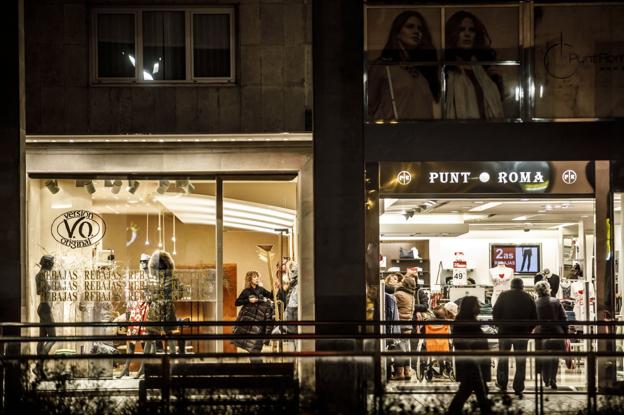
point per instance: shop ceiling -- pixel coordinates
(453, 217)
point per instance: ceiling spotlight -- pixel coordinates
(90, 187)
(408, 214)
(116, 186)
(108, 183)
(185, 185)
(52, 186)
(133, 185)
(163, 185)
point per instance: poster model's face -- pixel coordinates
(410, 35)
(467, 34)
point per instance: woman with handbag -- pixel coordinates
(407, 304)
(549, 309)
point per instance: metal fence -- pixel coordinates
(351, 361)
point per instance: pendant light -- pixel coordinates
(173, 238)
(147, 242)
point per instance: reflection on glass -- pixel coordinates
(115, 45)
(473, 91)
(164, 46)
(398, 90)
(211, 45)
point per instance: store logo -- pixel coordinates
(569, 176)
(561, 61)
(404, 177)
(78, 228)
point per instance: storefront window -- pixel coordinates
(419, 71)
(260, 234)
(107, 249)
(578, 73)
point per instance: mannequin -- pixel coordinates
(501, 276)
(160, 296)
(552, 279)
(578, 294)
(566, 289)
(44, 311)
(136, 311)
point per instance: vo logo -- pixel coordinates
(78, 228)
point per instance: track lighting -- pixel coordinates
(90, 187)
(185, 185)
(116, 186)
(163, 185)
(133, 185)
(52, 186)
(108, 183)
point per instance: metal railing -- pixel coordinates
(342, 343)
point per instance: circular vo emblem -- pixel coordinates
(404, 177)
(569, 176)
(78, 228)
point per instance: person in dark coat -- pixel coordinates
(256, 306)
(514, 304)
(469, 370)
(549, 309)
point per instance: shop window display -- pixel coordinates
(113, 249)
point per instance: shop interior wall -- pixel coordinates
(272, 93)
(476, 248)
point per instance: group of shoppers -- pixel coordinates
(512, 305)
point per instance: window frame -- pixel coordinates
(138, 79)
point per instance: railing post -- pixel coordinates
(166, 389)
(591, 382)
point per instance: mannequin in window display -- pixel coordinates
(551, 279)
(501, 276)
(137, 310)
(44, 310)
(160, 290)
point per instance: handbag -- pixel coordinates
(406, 253)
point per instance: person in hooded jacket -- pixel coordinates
(469, 370)
(407, 304)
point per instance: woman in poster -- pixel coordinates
(474, 91)
(398, 89)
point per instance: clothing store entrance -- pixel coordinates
(468, 228)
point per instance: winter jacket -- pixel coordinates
(262, 310)
(550, 309)
(405, 303)
(515, 304)
(467, 368)
(259, 292)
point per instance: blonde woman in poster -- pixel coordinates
(398, 89)
(474, 91)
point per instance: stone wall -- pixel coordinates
(271, 94)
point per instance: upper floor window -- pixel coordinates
(163, 45)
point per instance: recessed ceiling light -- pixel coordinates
(584, 216)
(454, 211)
(541, 211)
(525, 200)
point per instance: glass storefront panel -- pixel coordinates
(409, 54)
(92, 242)
(259, 220)
(579, 73)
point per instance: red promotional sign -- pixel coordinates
(504, 254)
